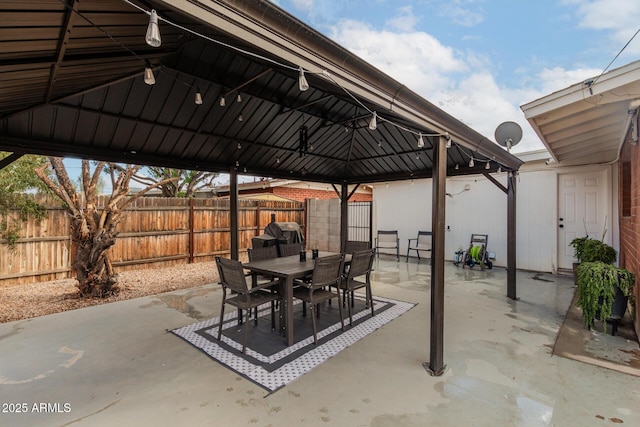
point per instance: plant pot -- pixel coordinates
(575, 272)
(618, 309)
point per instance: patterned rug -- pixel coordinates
(268, 362)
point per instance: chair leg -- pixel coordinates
(349, 308)
(246, 332)
(221, 319)
(273, 315)
(313, 323)
(340, 308)
(370, 298)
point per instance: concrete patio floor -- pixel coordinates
(117, 364)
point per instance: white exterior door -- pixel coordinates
(583, 208)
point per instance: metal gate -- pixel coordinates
(360, 220)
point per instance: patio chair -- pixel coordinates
(289, 249)
(420, 243)
(232, 278)
(388, 239)
(352, 246)
(262, 253)
(327, 274)
(361, 263)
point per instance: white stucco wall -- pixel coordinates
(482, 209)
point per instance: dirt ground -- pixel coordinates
(20, 302)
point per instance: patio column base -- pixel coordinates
(433, 373)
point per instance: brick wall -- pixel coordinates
(301, 194)
(629, 256)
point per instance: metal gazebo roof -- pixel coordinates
(71, 84)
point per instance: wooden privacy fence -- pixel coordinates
(154, 232)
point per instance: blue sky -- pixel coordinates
(479, 60)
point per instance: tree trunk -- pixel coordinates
(93, 224)
(92, 265)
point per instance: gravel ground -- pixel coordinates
(26, 301)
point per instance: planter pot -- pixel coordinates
(575, 272)
(618, 309)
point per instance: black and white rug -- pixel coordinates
(268, 362)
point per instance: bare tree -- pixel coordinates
(185, 184)
(93, 227)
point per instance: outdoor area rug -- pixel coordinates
(268, 362)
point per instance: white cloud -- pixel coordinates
(404, 21)
(414, 58)
(466, 13)
(460, 83)
(620, 18)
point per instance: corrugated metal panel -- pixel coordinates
(79, 91)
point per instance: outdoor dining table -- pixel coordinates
(288, 269)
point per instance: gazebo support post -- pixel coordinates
(233, 213)
(436, 366)
(344, 216)
(511, 236)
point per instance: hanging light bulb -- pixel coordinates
(471, 164)
(457, 166)
(223, 102)
(448, 140)
(487, 166)
(240, 117)
(373, 124)
(302, 81)
(237, 163)
(198, 98)
(149, 78)
(420, 141)
(153, 32)
(239, 98)
(499, 169)
(278, 160)
(239, 146)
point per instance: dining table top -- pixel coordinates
(288, 265)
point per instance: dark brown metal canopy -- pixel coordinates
(71, 84)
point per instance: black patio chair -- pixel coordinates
(327, 274)
(262, 253)
(352, 246)
(289, 249)
(232, 278)
(361, 265)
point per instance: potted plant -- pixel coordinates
(603, 292)
(591, 250)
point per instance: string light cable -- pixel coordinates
(301, 72)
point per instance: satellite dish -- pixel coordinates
(508, 134)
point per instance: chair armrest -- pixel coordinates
(262, 286)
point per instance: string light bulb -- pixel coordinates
(487, 166)
(303, 84)
(471, 164)
(420, 141)
(240, 117)
(448, 140)
(223, 102)
(239, 98)
(153, 31)
(149, 78)
(373, 123)
(457, 166)
(198, 98)
(499, 169)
